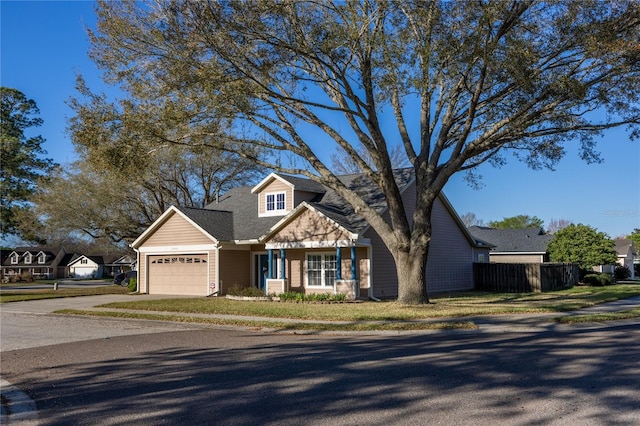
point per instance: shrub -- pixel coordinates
(292, 296)
(622, 272)
(245, 291)
(597, 279)
(133, 285)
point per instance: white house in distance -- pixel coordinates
(626, 252)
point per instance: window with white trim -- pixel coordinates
(14, 259)
(321, 269)
(27, 258)
(275, 202)
(41, 258)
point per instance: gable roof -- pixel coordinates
(623, 246)
(234, 216)
(297, 183)
(523, 240)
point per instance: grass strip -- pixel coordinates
(607, 316)
(306, 326)
(39, 294)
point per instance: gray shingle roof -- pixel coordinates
(532, 240)
(217, 223)
(235, 215)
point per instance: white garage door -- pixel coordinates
(178, 275)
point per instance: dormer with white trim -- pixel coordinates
(279, 195)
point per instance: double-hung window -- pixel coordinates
(275, 203)
(321, 270)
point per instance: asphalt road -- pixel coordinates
(173, 374)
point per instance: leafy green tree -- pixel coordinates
(583, 245)
(21, 156)
(635, 237)
(517, 222)
(457, 83)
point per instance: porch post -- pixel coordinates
(270, 264)
(353, 262)
(282, 263)
(338, 263)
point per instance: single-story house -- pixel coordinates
(525, 245)
(292, 234)
(36, 262)
(115, 264)
(83, 266)
(99, 266)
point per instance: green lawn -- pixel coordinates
(459, 305)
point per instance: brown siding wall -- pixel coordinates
(174, 229)
(516, 258)
(236, 270)
(275, 186)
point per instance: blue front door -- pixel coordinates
(262, 268)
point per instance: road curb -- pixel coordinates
(17, 406)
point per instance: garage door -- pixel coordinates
(178, 275)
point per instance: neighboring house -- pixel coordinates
(35, 262)
(4, 254)
(526, 245)
(293, 234)
(115, 264)
(99, 266)
(626, 254)
(83, 266)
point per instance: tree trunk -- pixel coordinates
(412, 267)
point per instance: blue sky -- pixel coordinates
(44, 46)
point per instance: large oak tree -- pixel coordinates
(458, 84)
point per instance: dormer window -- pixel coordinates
(275, 203)
(27, 258)
(41, 258)
(14, 259)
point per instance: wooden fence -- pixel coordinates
(524, 277)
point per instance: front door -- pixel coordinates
(261, 270)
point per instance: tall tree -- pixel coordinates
(22, 158)
(557, 224)
(470, 219)
(517, 222)
(457, 83)
(584, 245)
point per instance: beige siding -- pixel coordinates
(309, 226)
(516, 258)
(295, 273)
(296, 269)
(275, 186)
(236, 270)
(177, 228)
